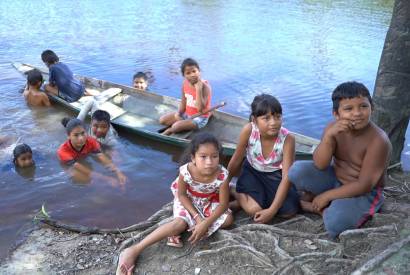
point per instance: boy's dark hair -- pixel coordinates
(71, 123)
(101, 115)
(189, 62)
(197, 140)
(19, 150)
(140, 75)
(263, 104)
(348, 90)
(34, 76)
(49, 57)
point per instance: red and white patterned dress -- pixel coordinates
(204, 197)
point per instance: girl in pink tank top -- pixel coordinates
(195, 98)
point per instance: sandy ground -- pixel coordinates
(296, 246)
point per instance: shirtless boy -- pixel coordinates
(344, 182)
(32, 93)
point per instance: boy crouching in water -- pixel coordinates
(32, 93)
(344, 182)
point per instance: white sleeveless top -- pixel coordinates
(254, 151)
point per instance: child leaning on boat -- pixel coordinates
(195, 98)
(61, 80)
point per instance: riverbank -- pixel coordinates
(295, 246)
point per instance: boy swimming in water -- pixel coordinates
(32, 93)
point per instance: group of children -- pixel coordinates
(343, 183)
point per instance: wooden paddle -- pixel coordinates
(223, 103)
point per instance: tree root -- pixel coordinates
(159, 215)
(378, 259)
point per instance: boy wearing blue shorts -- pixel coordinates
(61, 81)
(344, 182)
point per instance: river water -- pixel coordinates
(296, 50)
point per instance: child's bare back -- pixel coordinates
(36, 98)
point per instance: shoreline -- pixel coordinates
(298, 245)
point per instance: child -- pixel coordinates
(201, 195)
(344, 182)
(101, 128)
(140, 81)
(62, 82)
(263, 189)
(32, 93)
(195, 98)
(23, 156)
(79, 146)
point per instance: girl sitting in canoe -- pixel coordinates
(201, 195)
(195, 98)
(263, 189)
(79, 145)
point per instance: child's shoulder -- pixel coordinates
(377, 134)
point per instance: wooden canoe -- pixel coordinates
(140, 111)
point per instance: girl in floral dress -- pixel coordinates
(201, 196)
(263, 189)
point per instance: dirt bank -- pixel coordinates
(296, 246)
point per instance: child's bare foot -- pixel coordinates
(126, 262)
(306, 196)
(307, 207)
(167, 132)
(234, 206)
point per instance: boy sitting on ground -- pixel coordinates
(32, 93)
(344, 182)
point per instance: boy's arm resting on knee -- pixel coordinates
(183, 197)
(323, 154)
(373, 168)
(234, 165)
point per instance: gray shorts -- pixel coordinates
(200, 121)
(341, 214)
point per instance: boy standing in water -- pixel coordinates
(345, 180)
(62, 82)
(140, 81)
(32, 93)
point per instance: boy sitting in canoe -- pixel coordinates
(344, 182)
(32, 93)
(195, 98)
(61, 81)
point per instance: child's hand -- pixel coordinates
(320, 202)
(198, 232)
(121, 178)
(264, 216)
(341, 125)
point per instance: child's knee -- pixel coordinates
(336, 223)
(179, 224)
(298, 170)
(228, 221)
